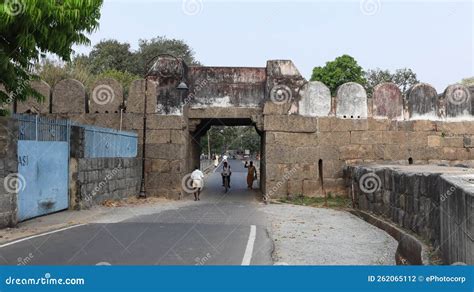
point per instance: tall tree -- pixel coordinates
(231, 138)
(404, 78)
(31, 29)
(375, 77)
(335, 73)
(53, 71)
(148, 49)
(109, 55)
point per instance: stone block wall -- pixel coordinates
(308, 135)
(433, 202)
(95, 180)
(456, 220)
(9, 180)
(166, 155)
(298, 147)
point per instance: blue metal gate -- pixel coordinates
(43, 163)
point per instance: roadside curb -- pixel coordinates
(410, 250)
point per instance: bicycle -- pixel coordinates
(226, 183)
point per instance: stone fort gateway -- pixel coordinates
(312, 143)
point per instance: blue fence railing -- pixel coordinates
(98, 142)
(103, 142)
(36, 128)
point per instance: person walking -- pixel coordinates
(216, 161)
(251, 174)
(198, 181)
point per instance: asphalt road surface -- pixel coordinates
(221, 229)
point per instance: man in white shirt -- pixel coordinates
(198, 181)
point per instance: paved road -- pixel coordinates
(221, 229)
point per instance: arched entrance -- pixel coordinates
(198, 128)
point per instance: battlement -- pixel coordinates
(227, 87)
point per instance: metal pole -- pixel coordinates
(142, 185)
(121, 118)
(208, 145)
(36, 127)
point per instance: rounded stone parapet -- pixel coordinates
(351, 101)
(387, 101)
(315, 100)
(458, 101)
(34, 106)
(106, 96)
(69, 96)
(423, 101)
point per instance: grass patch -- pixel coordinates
(336, 202)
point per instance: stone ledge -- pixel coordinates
(433, 201)
(409, 247)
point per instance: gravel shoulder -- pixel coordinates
(319, 236)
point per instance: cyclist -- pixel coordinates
(226, 172)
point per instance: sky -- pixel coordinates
(433, 38)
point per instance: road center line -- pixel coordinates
(39, 235)
(249, 249)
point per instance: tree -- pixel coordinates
(31, 29)
(148, 49)
(51, 71)
(231, 138)
(404, 78)
(375, 77)
(54, 71)
(468, 81)
(109, 55)
(342, 70)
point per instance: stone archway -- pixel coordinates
(201, 120)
